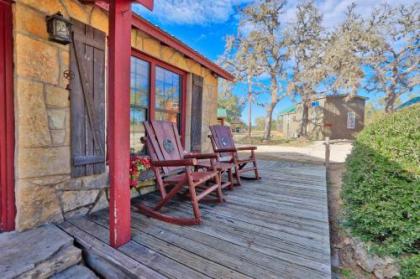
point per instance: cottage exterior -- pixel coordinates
(330, 116)
(54, 108)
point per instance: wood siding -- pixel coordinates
(196, 113)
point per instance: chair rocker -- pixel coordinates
(224, 146)
(176, 171)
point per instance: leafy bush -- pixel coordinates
(381, 186)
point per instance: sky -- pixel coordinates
(204, 24)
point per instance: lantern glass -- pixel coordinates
(59, 28)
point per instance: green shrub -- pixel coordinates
(381, 186)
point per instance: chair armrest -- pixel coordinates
(200, 156)
(222, 150)
(174, 163)
(246, 148)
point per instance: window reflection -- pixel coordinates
(139, 101)
(168, 96)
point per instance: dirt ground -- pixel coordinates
(342, 262)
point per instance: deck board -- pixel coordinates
(273, 228)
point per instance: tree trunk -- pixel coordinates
(270, 107)
(390, 99)
(267, 123)
(250, 108)
(304, 122)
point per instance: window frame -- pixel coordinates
(154, 62)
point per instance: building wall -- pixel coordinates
(336, 109)
(327, 119)
(44, 189)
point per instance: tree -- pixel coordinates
(394, 59)
(306, 46)
(241, 60)
(267, 40)
(344, 54)
(230, 102)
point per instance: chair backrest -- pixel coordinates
(163, 143)
(221, 137)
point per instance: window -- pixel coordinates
(351, 120)
(168, 96)
(157, 91)
(139, 101)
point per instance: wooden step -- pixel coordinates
(106, 261)
(37, 253)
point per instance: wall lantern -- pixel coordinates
(59, 29)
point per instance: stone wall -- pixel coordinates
(45, 191)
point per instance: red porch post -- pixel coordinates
(119, 120)
(120, 20)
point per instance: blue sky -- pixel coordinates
(204, 24)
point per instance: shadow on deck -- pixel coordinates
(273, 228)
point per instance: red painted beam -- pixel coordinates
(7, 121)
(119, 121)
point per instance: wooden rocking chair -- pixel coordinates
(223, 144)
(175, 171)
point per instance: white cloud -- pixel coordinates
(202, 12)
(194, 12)
(333, 10)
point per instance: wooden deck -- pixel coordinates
(273, 228)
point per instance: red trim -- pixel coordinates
(119, 121)
(156, 62)
(7, 121)
(169, 40)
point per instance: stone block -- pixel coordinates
(179, 61)
(151, 47)
(71, 200)
(50, 180)
(37, 253)
(101, 203)
(57, 97)
(37, 162)
(32, 120)
(77, 271)
(96, 181)
(30, 21)
(77, 10)
(36, 205)
(46, 6)
(58, 137)
(99, 19)
(56, 118)
(36, 59)
(167, 53)
(193, 67)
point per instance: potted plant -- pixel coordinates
(137, 165)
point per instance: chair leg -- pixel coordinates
(194, 201)
(219, 188)
(257, 176)
(230, 177)
(237, 176)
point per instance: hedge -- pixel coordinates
(381, 187)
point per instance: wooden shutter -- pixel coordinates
(87, 58)
(196, 112)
